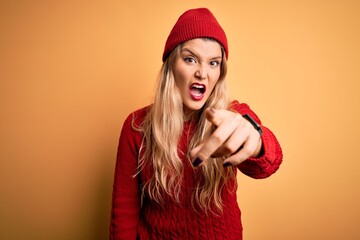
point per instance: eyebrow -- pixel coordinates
(192, 53)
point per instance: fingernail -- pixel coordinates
(227, 164)
(212, 110)
(197, 162)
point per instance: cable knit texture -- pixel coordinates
(130, 221)
(195, 23)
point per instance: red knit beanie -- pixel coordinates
(195, 23)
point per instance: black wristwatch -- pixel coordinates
(255, 124)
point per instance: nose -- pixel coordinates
(201, 72)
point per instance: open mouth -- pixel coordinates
(197, 91)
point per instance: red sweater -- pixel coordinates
(130, 221)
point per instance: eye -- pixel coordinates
(214, 63)
(189, 60)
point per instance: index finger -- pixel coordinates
(217, 138)
(213, 116)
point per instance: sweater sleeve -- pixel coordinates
(271, 157)
(126, 191)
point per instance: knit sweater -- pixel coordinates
(130, 220)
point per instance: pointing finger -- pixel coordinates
(214, 116)
(217, 139)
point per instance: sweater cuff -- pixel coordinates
(269, 160)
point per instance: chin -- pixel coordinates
(194, 106)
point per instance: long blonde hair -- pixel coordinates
(161, 148)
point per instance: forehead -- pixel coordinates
(203, 47)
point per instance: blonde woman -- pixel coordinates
(177, 160)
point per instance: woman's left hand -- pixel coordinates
(234, 138)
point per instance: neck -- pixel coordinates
(191, 115)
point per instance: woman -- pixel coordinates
(177, 159)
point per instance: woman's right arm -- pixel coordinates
(126, 193)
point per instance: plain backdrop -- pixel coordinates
(71, 71)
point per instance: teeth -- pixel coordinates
(198, 86)
(197, 90)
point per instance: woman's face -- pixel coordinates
(196, 71)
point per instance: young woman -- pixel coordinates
(177, 159)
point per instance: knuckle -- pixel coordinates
(247, 151)
(248, 126)
(230, 148)
(217, 138)
(237, 118)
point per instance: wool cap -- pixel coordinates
(195, 23)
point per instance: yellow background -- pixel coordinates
(71, 71)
